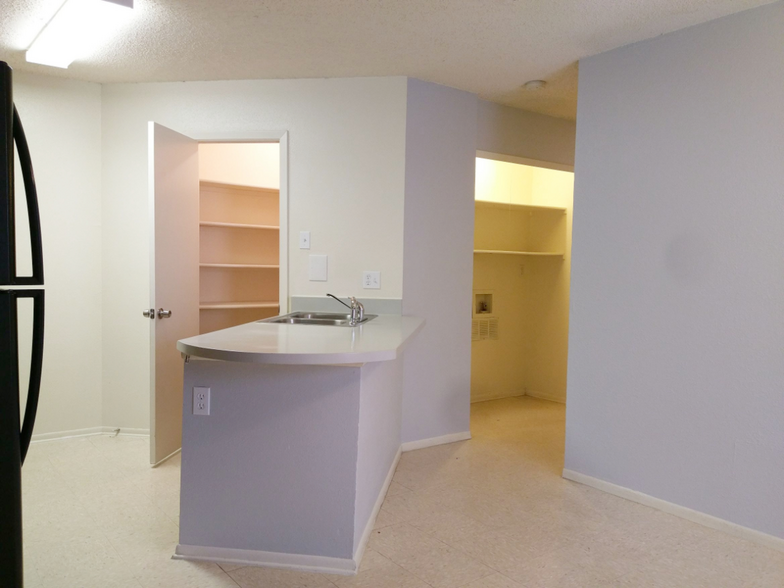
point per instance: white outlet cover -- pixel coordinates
(371, 280)
(201, 401)
(304, 239)
(317, 268)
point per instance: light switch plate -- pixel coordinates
(304, 239)
(371, 280)
(317, 270)
(201, 401)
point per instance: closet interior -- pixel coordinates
(239, 233)
(522, 255)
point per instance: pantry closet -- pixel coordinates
(239, 233)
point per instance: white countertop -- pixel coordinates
(380, 339)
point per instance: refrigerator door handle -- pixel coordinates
(36, 365)
(33, 216)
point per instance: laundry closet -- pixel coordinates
(239, 233)
(520, 305)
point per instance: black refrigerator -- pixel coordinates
(15, 431)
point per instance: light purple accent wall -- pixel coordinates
(676, 347)
(438, 258)
(380, 414)
(273, 468)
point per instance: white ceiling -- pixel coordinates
(489, 47)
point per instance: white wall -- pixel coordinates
(346, 162)
(509, 131)
(438, 258)
(62, 120)
(246, 164)
(677, 319)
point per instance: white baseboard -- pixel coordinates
(89, 432)
(363, 541)
(270, 559)
(683, 512)
(516, 394)
(172, 454)
(545, 396)
(433, 441)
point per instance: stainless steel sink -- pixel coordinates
(329, 319)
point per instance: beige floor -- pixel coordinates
(492, 512)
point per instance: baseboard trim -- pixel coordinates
(270, 559)
(363, 541)
(683, 512)
(89, 432)
(172, 454)
(433, 441)
(489, 398)
(545, 396)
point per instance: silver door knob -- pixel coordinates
(162, 314)
(149, 313)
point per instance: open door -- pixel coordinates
(174, 280)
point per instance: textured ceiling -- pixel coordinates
(489, 47)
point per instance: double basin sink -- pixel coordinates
(328, 319)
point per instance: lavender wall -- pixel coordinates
(438, 258)
(676, 348)
(510, 131)
(273, 467)
(380, 412)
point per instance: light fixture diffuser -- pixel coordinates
(75, 29)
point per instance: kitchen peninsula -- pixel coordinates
(291, 464)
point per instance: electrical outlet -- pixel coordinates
(371, 280)
(201, 401)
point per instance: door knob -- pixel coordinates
(162, 314)
(149, 313)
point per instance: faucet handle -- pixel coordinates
(357, 308)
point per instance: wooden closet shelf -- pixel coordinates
(238, 226)
(238, 187)
(509, 205)
(236, 305)
(534, 253)
(239, 265)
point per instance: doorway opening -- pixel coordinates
(520, 304)
(219, 252)
(239, 233)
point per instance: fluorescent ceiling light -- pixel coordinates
(75, 29)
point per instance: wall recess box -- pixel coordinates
(483, 303)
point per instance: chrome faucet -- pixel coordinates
(357, 309)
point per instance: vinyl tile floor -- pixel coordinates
(492, 512)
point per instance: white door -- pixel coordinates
(174, 280)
